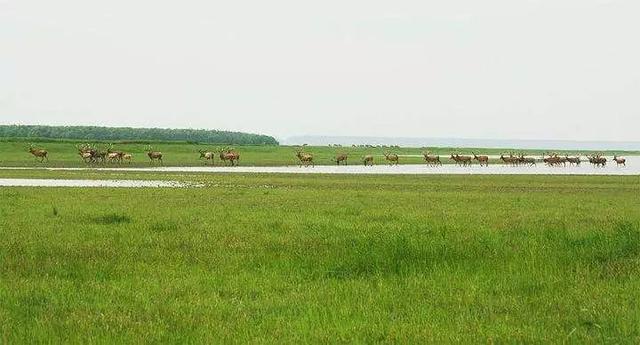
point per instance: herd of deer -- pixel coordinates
(553, 159)
(91, 154)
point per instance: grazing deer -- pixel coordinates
(39, 153)
(305, 158)
(620, 161)
(154, 155)
(368, 160)
(392, 158)
(461, 160)
(229, 155)
(483, 160)
(207, 155)
(341, 157)
(127, 157)
(430, 159)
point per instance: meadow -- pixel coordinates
(256, 258)
(63, 153)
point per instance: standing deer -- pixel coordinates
(392, 158)
(461, 160)
(483, 160)
(341, 157)
(153, 155)
(431, 159)
(229, 155)
(368, 160)
(573, 160)
(207, 155)
(127, 157)
(620, 161)
(509, 160)
(39, 153)
(305, 158)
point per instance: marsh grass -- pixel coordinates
(324, 259)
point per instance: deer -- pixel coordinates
(305, 158)
(430, 159)
(526, 160)
(229, 155)
(509, 160)
(114, 156)
(153, 155)
(461, 160)
(39, 153)
(207, 155)
(341, 157)
(127, 157)
(368, 160)
(619, 161)
(573, 160)
(483, 160)
(392, 158)
(597, 160)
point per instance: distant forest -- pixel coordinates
(134, 134)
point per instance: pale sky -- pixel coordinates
(508, 69)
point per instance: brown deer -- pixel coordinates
(620, 161)
(207, 155)
(368, 160)
(431, 159)
(229, 155)
(483, 160)
(154, 155)
(526, 160)
(341, 157)
(461, 160)
(114, 156)
(392, 158)
(573, 160)
(597, 160)
(305, 158)
(509, 160)
(39, 153)
(127, 157)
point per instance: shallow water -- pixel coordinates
(18, 182)
(632, 168)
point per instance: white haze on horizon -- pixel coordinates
(498, 69)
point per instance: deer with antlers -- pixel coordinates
(573, 160)
(430, 159)
(39, 153)
(483, 160)
(619, 161)
(511, 160)
(392, 158)
(154, 155)
(229, 155)
(597, 160)
(461, 160)
(304, 158)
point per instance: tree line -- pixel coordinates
(135, 134)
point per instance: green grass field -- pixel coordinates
(322, 259)
(64, 154)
